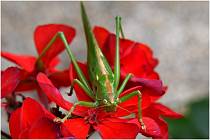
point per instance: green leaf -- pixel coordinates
(195, 124)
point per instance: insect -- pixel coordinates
(105, 90)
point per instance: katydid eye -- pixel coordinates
(105, 101)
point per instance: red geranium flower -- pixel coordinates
(33, 121)
(156, 127)
(137, 58)
(106, 124)
(145, 79)
(31, 65)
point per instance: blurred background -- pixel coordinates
(177, 32)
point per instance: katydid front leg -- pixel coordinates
(80, 74)
(81, 103)
(78, 70)
(127, 97)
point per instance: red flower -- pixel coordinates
(30, 64)
(145, 79)
(137, 58)
(156, 127)
(33, 121)
(142, 66)
(106, 124)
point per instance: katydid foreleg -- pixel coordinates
(129, 96)
(80, 74)
(83, 84)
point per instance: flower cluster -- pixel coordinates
(31, 119)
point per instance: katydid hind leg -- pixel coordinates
(129, 96)
(81, 85)
(119, 91)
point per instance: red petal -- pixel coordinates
(66, 134)
(26, 85)
(27, 82)
(44, 33)
(152, 128)
(142, 64)
(60, 78)
(55, 61)
(101, 35)
(119, 130)
(25, 61)
(44, 128)
(25, 116)
(31, 110)
(9, 80)
(78, 127)
(109, 49)
(155, 87)
(157, 109)
(167, 112)
(23, 134)
(81, 95)
(163, 127)
(151, 90)
(52, 92)
(42, 97)
(14, 123)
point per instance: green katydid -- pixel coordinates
(105, 90)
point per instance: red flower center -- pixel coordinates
(92, 116)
